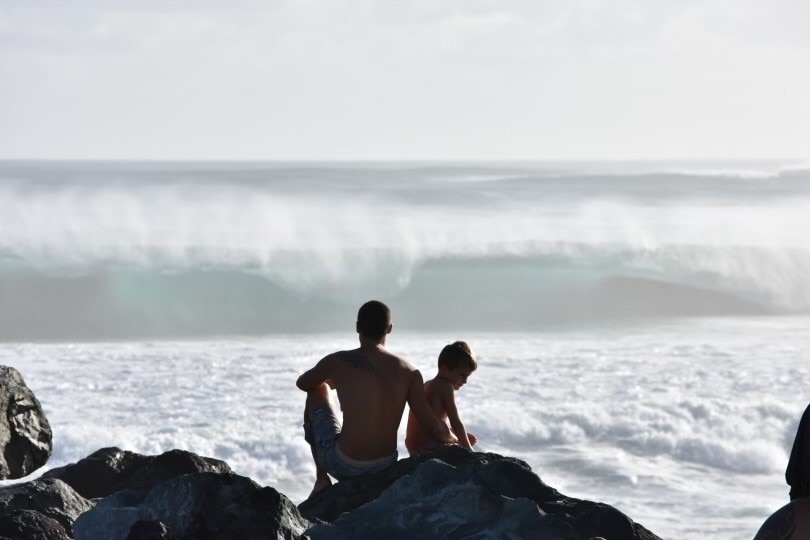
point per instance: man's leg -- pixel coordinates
(316, 397)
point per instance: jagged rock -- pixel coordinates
(149, 530)
(30, 525)
(420, 499)
(26, 440)
(197, 506)
(442, 501)
(51, 498)
(110, 470)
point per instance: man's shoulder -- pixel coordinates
(354, 358)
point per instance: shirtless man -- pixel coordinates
(791, 522)
(373, 386)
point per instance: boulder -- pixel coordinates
(453, 493)
(26, 440)
(149, 530)
(49, 506)
(30, 525)
(449, 493)
(110, 470)
(195, 506)
(442, 501)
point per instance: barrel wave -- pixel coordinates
(142, 250)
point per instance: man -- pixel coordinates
(797, 473)
(373, 386)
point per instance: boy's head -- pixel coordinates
(374, 320)
(458, 355)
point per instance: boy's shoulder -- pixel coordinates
(438, 384)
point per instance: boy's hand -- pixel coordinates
(473, 438)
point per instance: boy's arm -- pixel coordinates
(449, 401)
(420, 408)
(321, 373)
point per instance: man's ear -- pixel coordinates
(389, 328)
(357, 327)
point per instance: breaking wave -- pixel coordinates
(129, 250)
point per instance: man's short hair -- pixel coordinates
(373, 319)
(458, 355)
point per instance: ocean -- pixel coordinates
(642, 327)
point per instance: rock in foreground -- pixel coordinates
(452, 493)
(110, 470)
(195, 506)
(26, 440)
(43, 509)
(448, 494)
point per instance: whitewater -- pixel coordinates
(642, 328)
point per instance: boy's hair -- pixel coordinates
(458, 355)
(373, 319)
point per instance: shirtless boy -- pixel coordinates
(456, 364)
(373, 386)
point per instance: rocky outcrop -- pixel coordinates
(30, 525)
(452, 493)
(41, 508)
(25, 435)
(110, 470)
(195, 506)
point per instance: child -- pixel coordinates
(456, 363)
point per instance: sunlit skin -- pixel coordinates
(373, 386)
(440, 393)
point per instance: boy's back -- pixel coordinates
(456, 363)
(417, 439)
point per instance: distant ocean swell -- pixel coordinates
(484, 293)
(126, 253)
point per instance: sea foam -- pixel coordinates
(685, 426)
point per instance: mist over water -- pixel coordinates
(129, 250)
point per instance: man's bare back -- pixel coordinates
(373, 386)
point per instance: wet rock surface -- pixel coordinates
(26, 440)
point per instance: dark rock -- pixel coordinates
(30, 525)
(149, 530)
(50, 498)
(351, 493)
(442, 501)
(111, 470)
(26, 440)
(491, 485)
(200, 506)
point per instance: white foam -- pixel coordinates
(680, 426)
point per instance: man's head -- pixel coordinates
(374, 320)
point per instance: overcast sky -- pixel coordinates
(404, 79)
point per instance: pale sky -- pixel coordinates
(404, 79)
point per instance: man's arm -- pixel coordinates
(449, 402)
(321, 373)
(419, 406)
